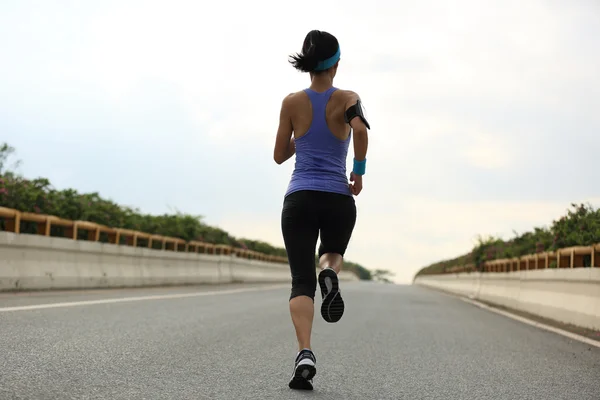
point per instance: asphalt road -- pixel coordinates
(394, 342)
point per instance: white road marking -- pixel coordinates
(527, 321)
(139, 298)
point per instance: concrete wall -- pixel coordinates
(29, 262)
(565, 295)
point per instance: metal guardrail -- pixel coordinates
(569, 257)
(72, 229)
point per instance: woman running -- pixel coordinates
(316, 124)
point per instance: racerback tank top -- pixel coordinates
(320, 156)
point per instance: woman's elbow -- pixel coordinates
(278, 158)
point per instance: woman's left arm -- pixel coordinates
(285, 147)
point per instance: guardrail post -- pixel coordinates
(16, 223)
(572, 257)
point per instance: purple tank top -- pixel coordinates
(320, 156)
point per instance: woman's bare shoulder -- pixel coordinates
(293, 98)
(348, 96)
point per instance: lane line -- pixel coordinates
(536, 324)
(139, 298)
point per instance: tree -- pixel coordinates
(382, 275)
(5, 152)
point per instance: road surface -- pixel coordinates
(394, 342)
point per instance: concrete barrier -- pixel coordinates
(32, 262)
(566, 295)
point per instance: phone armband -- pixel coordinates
(356, 111)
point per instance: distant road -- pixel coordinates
(394, 342)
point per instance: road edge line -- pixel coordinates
(470, 300)
(533, 323)
(140, 298)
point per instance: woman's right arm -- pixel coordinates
(361, 141)
(361, 138)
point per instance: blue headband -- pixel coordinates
(330, 62)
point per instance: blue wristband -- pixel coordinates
(359, 167)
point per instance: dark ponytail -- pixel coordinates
(318, 46)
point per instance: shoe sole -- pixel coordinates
(332, 307)
(302, 377)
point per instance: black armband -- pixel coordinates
(356, 111)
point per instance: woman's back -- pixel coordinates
(321, 137)
(301, 113)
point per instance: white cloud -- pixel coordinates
(489, 151)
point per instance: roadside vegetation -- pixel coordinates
(580, 226)
(39, 196)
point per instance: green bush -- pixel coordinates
(579, 227)
(38, 196)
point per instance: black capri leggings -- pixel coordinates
(305, 214)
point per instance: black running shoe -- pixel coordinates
(304, 371)
(332, 307)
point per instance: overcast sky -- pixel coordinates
(485, 115)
